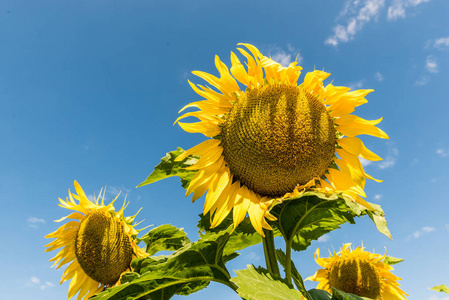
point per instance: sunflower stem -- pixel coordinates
(270, 252)
(288, 261)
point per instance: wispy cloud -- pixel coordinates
(442, 152)
(379, 77)
(390, 159)
(35, 281)
(447, 227)
(365, 163)
(423, 80)
(422, 231)
(323, 239)
(34, 222)
(282, 58)
(377, 196)
(439, 297)
(253, 256)
(285, 56)
(356, 85)
(431, 64)
(357, 13)
(441, 43)
(397, 9)
(47, 284)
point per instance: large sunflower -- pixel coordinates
(358, 272)
(98, 244)
(273, 138)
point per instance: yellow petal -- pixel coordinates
(351, 126)
(221, 181)
(241, 205)
(207, 128)
(199, 149)
(356, 147)
(207, 159)
(238, 70)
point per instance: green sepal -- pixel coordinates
(392, 260)
(168, 167)
(441, 288)
(259, 284)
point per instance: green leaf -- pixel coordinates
(242, 237)
(306, 218)
(441, 288)
(254, 285)
(392, 260)
(165, 238)
(340, 295)
(186, 271)
(281, 258)
(317, 294)
(168, 168)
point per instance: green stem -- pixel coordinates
(288, 261)
(270, 252)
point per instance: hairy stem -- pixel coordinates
(270, 252)
(288, 261)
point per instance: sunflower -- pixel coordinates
(273, 138)
(98, 244)
(358, 272)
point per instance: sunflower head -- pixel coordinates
(99, 244)
(274, 137)
(358, 272)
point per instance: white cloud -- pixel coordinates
(442, 152)
(47, 284)
(253, 256)
(431, 64)
(285, 57)
(440, 297)
(323, 239)
(356, 17)
(282, 58)
(423, 80)
(365, 162)
(428, 229)
(441, 43)
(379, 77)
(390, 160)
(34, 280)
(422, 231)
(397, 9)
(447, 227)
(115, 190)
(377, 196)
(356, 85)
(34, 222)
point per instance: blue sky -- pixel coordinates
(89, 91)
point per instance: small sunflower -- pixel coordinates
(358, 272)
(98, 244)
(274, 137)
